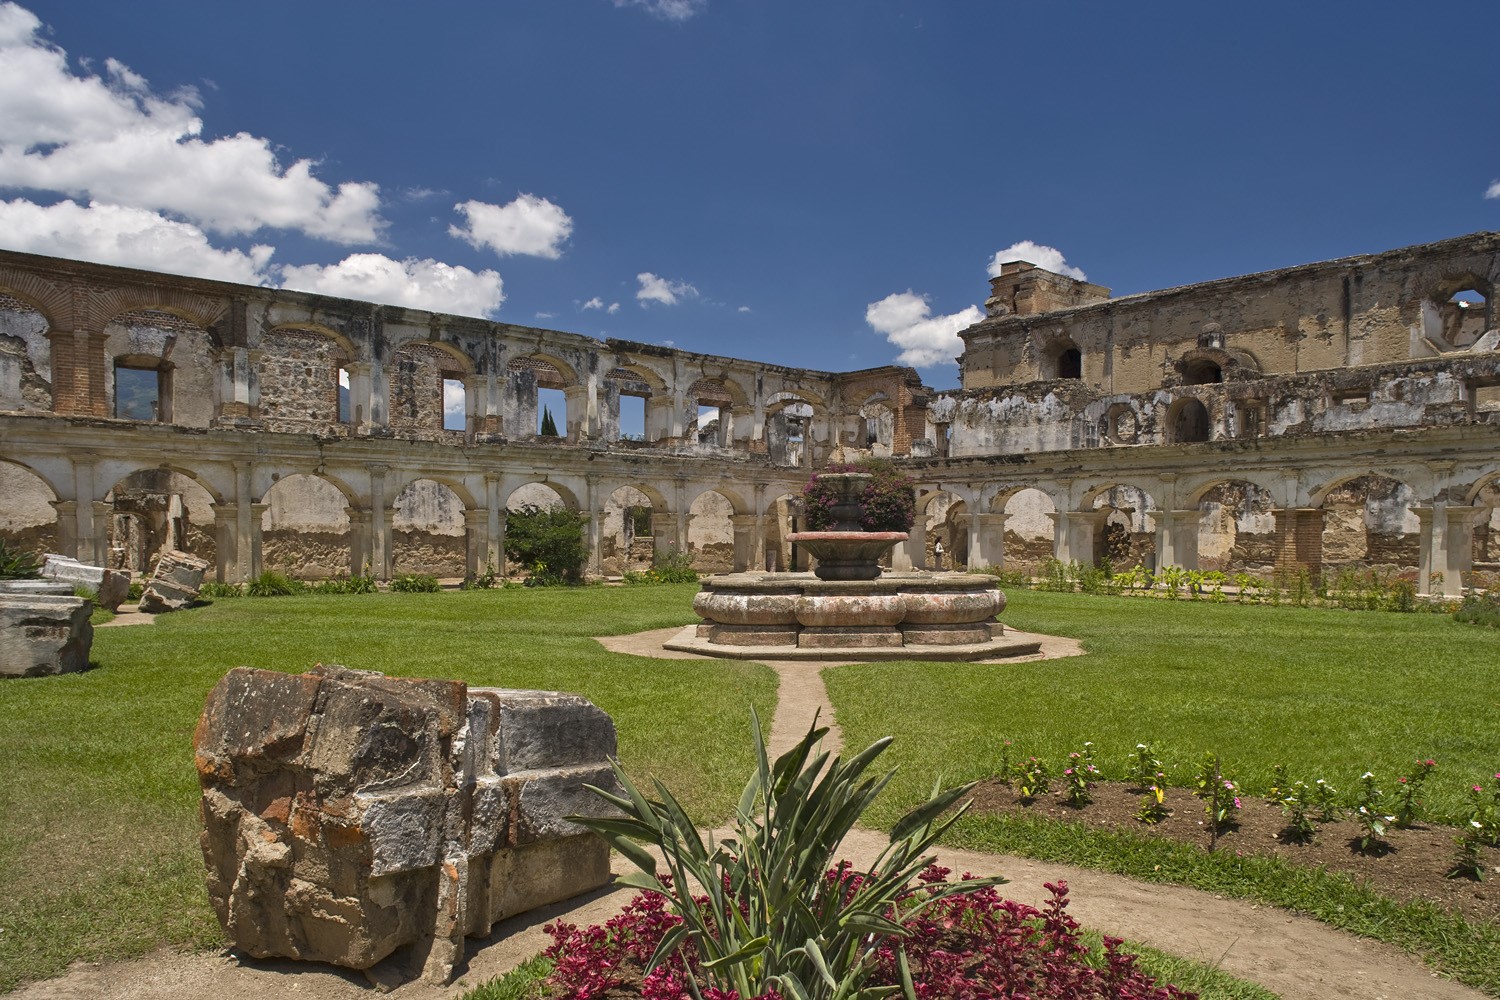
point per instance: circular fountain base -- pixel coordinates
(899, 616)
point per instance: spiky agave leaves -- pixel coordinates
(778, 912)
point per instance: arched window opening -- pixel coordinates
(634, 393)
(1455, 321)
(1203, 372)
(345, 409)
(1189, 423)
(1070, 363)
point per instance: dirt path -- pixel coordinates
(1297, 957)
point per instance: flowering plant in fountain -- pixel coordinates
(889, 503)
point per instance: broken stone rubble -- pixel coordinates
(350, 817)
(110, 586)
(175, 584)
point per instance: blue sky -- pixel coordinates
(809, 183)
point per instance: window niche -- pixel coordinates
(143, 390)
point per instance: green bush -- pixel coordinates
(213, 591)
(274, 584)
(415, 583)
(17, 565)
(345, 585)
(548, 542)
(671, 566)
(1479, 609)
(137, 589)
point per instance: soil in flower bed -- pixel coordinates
(1412, 867)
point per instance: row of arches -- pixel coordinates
(314, 525)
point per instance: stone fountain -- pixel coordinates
(848, 608)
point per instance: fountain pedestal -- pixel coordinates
(898, 616)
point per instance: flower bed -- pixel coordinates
(974, 945)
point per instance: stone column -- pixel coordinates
(1446, 547)
(986, 540)
(758, 546)
(84, 536)
(378, 412)
(226, 541)
(1177, 537)
(595, 564)
(104, 514)
(234, 380)
(745, 528)
(380, 554)
(497, 539)
(679, 504)
(476, 523)
(1299, 540)
(359, 543)
(494, 554)
(575, 399)
(1074, 534)
(242, 517)
(361, 387)
(67, 527)
(257, 516)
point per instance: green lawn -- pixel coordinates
(98, 841)
(1330, 693)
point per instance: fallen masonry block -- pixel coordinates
(110, 586)
(175, 583)
(44, 634)
(349, 817)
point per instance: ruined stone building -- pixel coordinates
(1343, 413)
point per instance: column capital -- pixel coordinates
(377, 468)
(475, 516)
(225, 511)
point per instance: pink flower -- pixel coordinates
(1237, 802)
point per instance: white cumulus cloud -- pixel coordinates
(129, 237)
(113, 139)
(906, 320)
(529, 225)
(1493, 191)
(667, 10)
(743, 309)
(668, 293)
(614, 307)
(419, 284)
(1045, 257)
(594, 303)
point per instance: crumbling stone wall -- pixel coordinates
(350, 817)
(1369, 522)
(711, 533)
(416, 391)
(299, 382)
(25, 362)
(182, 350)
(428, 530)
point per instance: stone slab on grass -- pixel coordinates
(43, 634)
(110, 586)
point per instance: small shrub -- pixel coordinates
(1033, 778)
(1295, 802)
(274, 584)
(487, 580)
(1078, 776)
(669, 566)
(1154, 803)
(1326, 798)
(1145, 769)
(1480, 609)
(137, 589)
(415, 583)
(18, 565)
(1005, 770)
(345, 585)
(214, 590)
(1372, 820)
(1408, 806)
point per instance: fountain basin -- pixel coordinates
(847, 555)
(796, 616)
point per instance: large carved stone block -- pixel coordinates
(348, 816)
(175, 583)
(111, 586)
(44, 634)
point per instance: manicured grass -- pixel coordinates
(1330, 693)
(98, 842)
